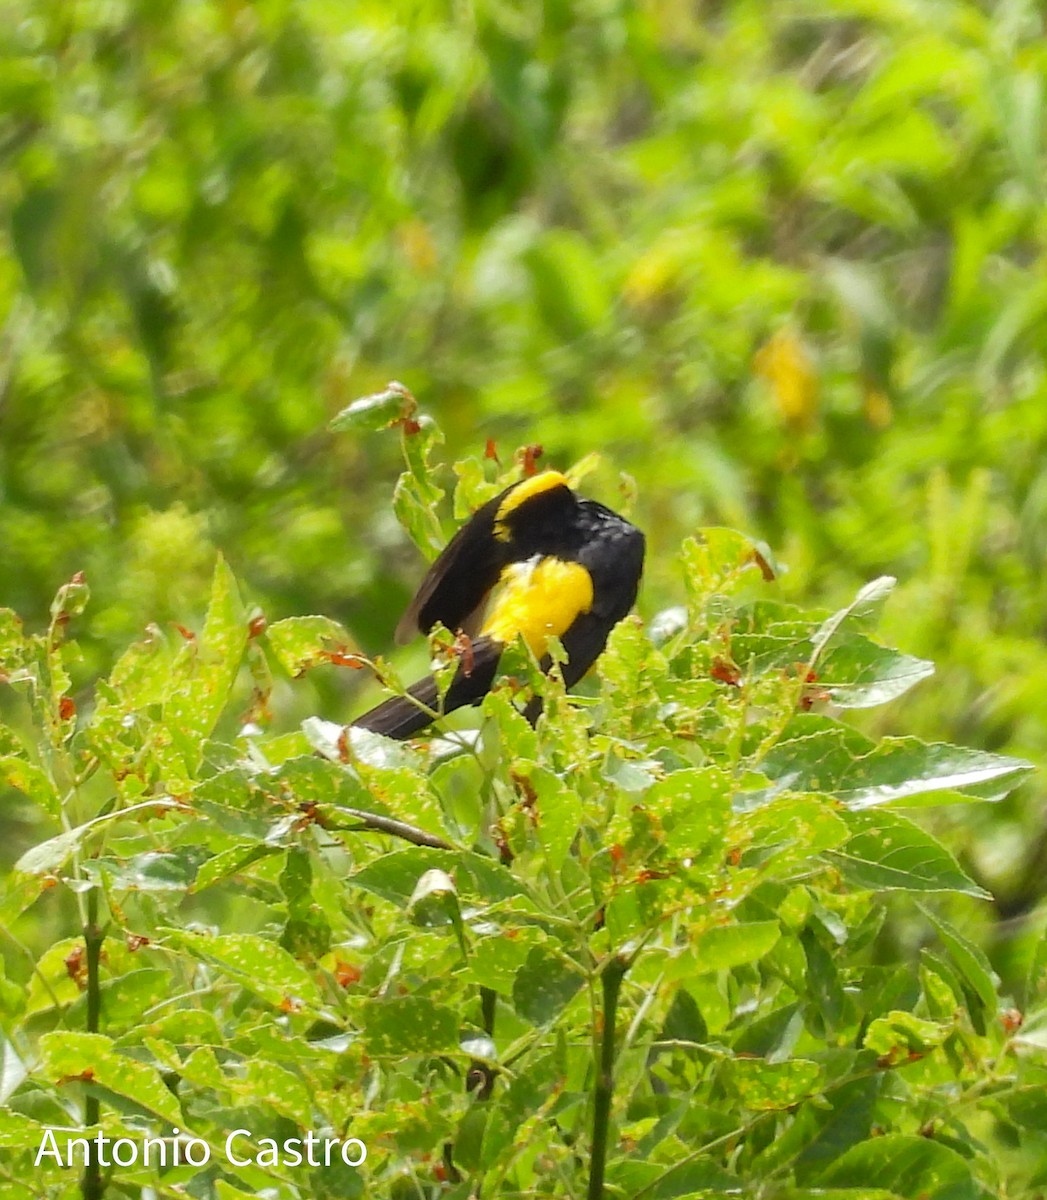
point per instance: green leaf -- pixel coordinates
(817, 754)
(196, 703)
(417, 493)
(230, 861)
(771, 1086)
(698, 1178)
(434, 901)
(859, 613)
(408, 1025)
(12, 1071)
(719, 560)
(70, 600)
(394, 876)
(544, 986)
(378, 411)
(497, 957)
(975, 969)
(277, 1088)
(47, 857)
(18, 1132)
(899, 1036)
(19, 891)
(158, 871)
(257, 964)
(1026, 1106)
(694, 806)
(32, 781)
(907, 1166)
(557, 810)
(888, 852)
(91, 1057)
(301, 643)
(860, 674)
(723, 947)
(13, 645)
(125, 998)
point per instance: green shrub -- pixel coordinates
(640, 938)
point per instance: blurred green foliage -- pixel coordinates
(782, 262)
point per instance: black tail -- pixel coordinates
(403, 716)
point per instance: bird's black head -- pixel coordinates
(536, 515)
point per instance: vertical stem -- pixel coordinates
(488, 1000)
(91, 1187)
(603, 1093)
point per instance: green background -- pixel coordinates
(782, 263)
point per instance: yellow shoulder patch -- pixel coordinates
(543, 482)
(539, 600)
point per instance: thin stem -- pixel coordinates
(400, 829)
(603, 1093)
(91, 1186)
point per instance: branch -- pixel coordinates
(400, 829)
(603, 1093)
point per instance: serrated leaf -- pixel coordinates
(719, 559)
(90, 1057)
(275, 1087)
(31, 781)
(817, 754)
(694, 806)
(969, 959)
(860, 674)
(19, 1132)
(862, 609)
(300, 643)
(228, 862)
(496, 958)
(408, 1025)
(888, 852)
(193, 707)
(257, 964)
(770, 1086)
(13, 645)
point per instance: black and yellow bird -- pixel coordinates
(535, 562)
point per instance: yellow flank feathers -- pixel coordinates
(539, 600)
(543, 482)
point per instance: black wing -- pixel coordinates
(456, 585)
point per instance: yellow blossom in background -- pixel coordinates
(877, 407)
(788, 367)
(416, 242)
